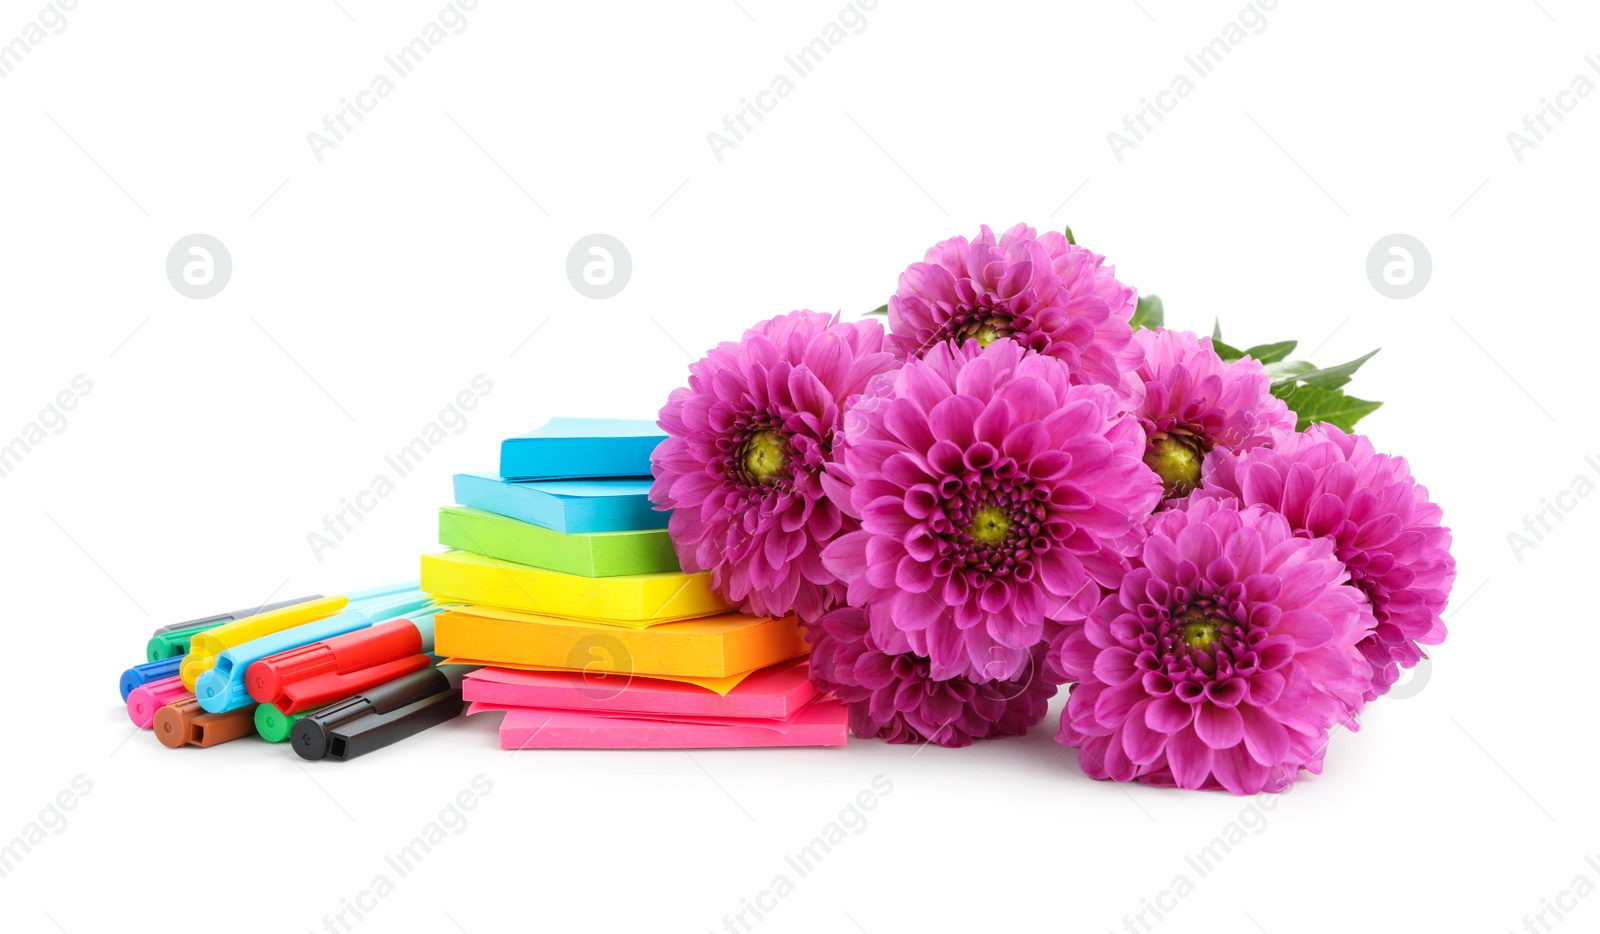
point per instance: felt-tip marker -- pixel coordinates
(185, 723)
(146, 699)
(206, 646)
(172, 640)
(223, 688)
(146, 673)
(273, 725)
(381, 716)
(322, 672)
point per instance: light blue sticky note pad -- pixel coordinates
(619, 505)
(577, 448)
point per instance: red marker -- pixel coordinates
(322, 672)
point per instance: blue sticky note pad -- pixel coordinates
(618, 505)
(577, 448)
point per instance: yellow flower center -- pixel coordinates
(765, 455)
(989, 526)
(1177, 462)
(1200, 633)
(985, 331)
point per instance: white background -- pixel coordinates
(370, 287)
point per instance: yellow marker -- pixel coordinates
(206, 646)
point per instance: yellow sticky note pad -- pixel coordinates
(462, 576)
(716, 647)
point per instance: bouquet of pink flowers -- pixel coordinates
(1027, 481)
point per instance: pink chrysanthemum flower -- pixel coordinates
(994, 496)
(1223, 660)
(1190, 401)
(1043, 292)
(1333, 485)
(891, 695)
(747, 441)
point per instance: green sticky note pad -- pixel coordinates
(588, 554)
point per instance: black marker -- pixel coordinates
(381, 716)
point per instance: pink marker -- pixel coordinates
(146, 699)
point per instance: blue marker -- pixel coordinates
(140, 675)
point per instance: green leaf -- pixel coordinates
(1150, 313)
(1288, 372)
(1335, 376)
(1312, 404)
(880, 310)
(1225, 351)
(1272, 353)
(1069, 237)
(1216, 329)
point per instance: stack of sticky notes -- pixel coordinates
(568, 592)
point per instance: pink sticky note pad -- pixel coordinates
(774, 693)
(146, 699)
(824, 722)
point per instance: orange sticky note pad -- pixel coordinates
(715, 647)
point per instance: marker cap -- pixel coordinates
(274, 725)
(366, 734)
(223, 687)
(185, 723)
(267, 678)
(206, 646)
(173, 638)
(206, 622)
(332, 685)
(146, 699)
(310, 736)
(323, 672)
(147, 673)
(174, 644)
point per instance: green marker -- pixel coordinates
(175, 643)
(274, 725)
(173, 640)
